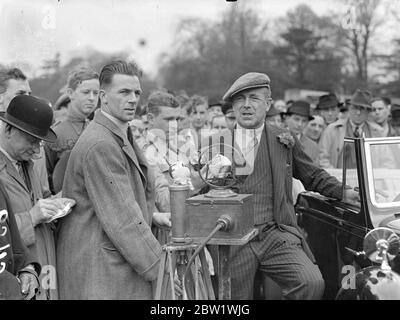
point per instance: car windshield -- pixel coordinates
(383, 166)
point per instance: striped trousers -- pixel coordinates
(278, 254)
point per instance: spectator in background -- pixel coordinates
(13, 82)
(296, 119)
(395, 118)
(218, 123)
(328, 108)
(214, 108)
(197, 110)
(381, 113)
(83, 92)
(357, 125)
(274, 117)
(314, 128)
(280, 105)
(230, 117)
(60, 108)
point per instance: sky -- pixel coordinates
(35, 30)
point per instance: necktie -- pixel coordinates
(357, 132)
(24, 174)
(130, 136)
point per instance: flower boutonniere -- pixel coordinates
(286, 139)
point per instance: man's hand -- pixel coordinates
(162, 219)
(45, 209)
(29, 283)
(351, 196)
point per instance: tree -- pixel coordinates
(211, 55)
(306, 47)
(358, 27)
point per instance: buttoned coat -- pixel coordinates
(39, 239)
(105, 247)
(332, 141)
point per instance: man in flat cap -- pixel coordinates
(279, 250)
(24, 125)
(356, 125)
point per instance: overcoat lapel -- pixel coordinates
(11, 170)
(132, 151)
(277, 152)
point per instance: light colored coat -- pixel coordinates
(39, 239)
(105, 247)
(332, 141)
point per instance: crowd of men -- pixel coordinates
(109, 158)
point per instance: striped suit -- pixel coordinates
(280, 250)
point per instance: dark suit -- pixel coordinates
(280, 250)
(14, 255)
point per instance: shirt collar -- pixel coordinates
(13, 161)
(353, 125)
(251, 132)
(120, 124)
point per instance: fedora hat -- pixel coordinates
(31, 115)
(301, 108)
(247, 81)
(327, 101)
(361, 98)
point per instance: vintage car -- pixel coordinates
(335, 229)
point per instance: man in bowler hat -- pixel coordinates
(355, 126)
(279, 250)
(296, 119)
(328, 108)
(24, 125)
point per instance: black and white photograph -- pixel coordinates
(195, 150)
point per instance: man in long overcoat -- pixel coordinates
(105, 247)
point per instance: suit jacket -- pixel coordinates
(287, 162)
(311, 148)
(14, 255)
(39, 239)
(105, 247)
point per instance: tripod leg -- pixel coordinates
(206, 276)
(171, 274)
(160, 279)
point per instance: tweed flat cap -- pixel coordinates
(247, 81)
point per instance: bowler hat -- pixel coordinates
(247, 81)
(214, 102)
(327, 101)
(272, 112)
(31, 115)
(395, 113)
(361, 98)
(301, 108)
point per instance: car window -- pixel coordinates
(385, 174)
